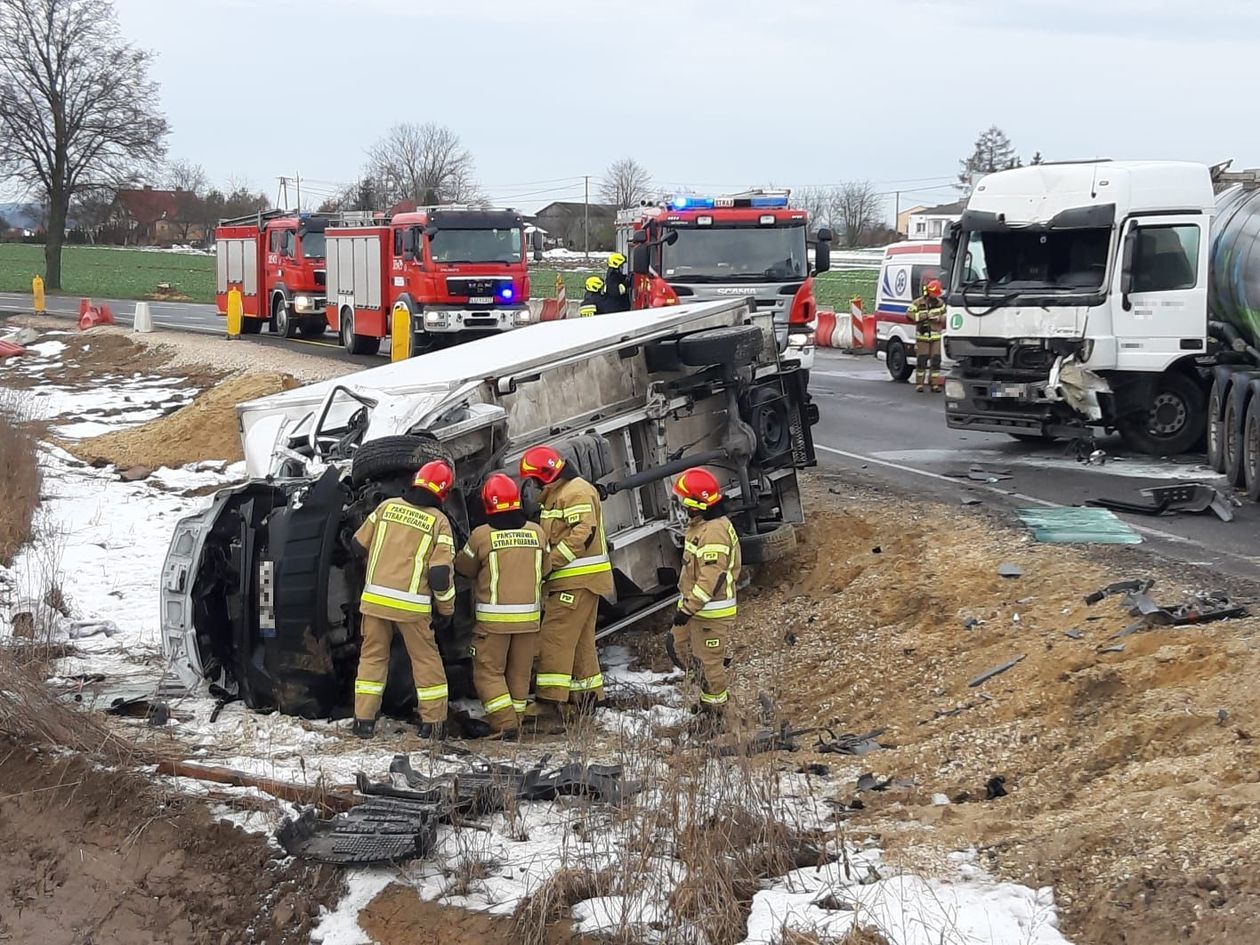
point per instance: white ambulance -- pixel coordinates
(905, 269)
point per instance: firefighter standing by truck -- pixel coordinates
(581, 573)
(595, 301)
(617, 284)
(410, 549)
(507, 558)
(927, 312)
(706, 586)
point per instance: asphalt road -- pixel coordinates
(885, 430)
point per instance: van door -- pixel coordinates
(1165, 308)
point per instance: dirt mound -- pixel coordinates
(92, 855)
(1131, 774)
(205, 429)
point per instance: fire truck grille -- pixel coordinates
(476, 287)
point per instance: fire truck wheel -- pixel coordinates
(395, 456)
(282, 324)
(778, 542)
(737, 345)
(355, 344)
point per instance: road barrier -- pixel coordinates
(862, 328)
(37, 295)
(235, 312)
(400, 332)
(143, 321)
(93, 316)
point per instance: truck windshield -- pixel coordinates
(1063, 260)
(743, 254)
(314, 246)
(455, 246)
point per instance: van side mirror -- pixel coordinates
(641, 260)
(822, 252)
(1127, 255)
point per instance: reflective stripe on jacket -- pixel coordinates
(508, 566)
(711, 566)
(573, 522)
(928, 317)
(403, 542)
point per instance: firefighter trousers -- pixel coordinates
(927, 351)
(502, 663)
(568, 663)
(426, 667)
(705, 641)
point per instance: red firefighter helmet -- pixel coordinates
(541, 463)
(933, 289)
(698, 489)
(437, 477)
(500, 494)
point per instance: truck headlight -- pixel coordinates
(435, 319)
(523, 317)
(303, 303)
(955, 390)
(800, 340)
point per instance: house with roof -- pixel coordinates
(931, 223)
(564, 223)
(145, 216)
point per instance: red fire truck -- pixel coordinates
(750, 244)
(456, 272)
(276, 260)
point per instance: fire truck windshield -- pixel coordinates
(735, 254)
(314, 246)
(472, 246)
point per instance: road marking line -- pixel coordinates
(1153, 532)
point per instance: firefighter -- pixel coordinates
(410, 550)
(706, 586)
(507, 558)
(928, 314)
(581, 573)
(617, 284)
(594, 302)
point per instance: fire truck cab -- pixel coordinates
(454, 272)
(276, 260)
(751, 245)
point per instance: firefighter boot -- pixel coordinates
(549, 718)
(364, 728)
(435, 731)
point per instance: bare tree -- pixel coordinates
(190, 183)
(819, 203)
(76, 105)
(626, 183)
(857, 210)
(185, 175)
(424, 163)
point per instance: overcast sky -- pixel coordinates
(705, 93)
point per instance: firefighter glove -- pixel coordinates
(680, 618)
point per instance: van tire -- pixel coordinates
(392, 456)
(897, 361)
(737, 345)
(1216, 428)
(777, 542)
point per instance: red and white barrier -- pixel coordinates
(93, 316)
(862, 328)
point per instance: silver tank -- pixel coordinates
(1235, 278)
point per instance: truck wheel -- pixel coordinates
(767, 413)
(313, 328)
(737, 345)
(1215, 428)
(1175, 421)
(284, 325)
(395, 456)
(355, 344)
(777, 542)
(898, 363)
(1251, 450)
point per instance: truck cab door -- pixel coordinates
(1161, 283)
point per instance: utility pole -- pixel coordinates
(897, 215)
(297, 179)
(282, 194)
(586, 217)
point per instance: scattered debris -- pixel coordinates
(1181, 497)
(972, 622)
(1222, 716)
(482, 786)
(1204, 607)
(782, 739)
(850, 744)
(1074, 635)
(996, 671)
(817, 769)
(318, 796)
(1008, 570)
(1120, 587)
(135, 474)
(995, 787)
(868, 782)
(970, 500)
(1096, 458)
(376, 832)
(940, 800)
(1072, 525)
(1115, 648)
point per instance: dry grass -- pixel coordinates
(19, 472)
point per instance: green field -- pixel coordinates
(135, 274)
(110, 273)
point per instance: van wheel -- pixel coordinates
(1215, 428)
(1174, 422)
(395, 456)
(355, 344)
(284, 325)
(737, 345)
(777, 542)
(1251, 450)
(898, 363)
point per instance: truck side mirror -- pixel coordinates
(822, 252)
(640, 236)
(536, 239)
(672, 238)
(1127, 254)
(641, 261)
(949, 251)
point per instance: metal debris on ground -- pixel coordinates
(970, 500)
(995, 787)
(848, 744)
(1071, 525)
(781, 739)
(1204, 607)
(996, 671)
(1116, 648)
(971, 623)
(1119, 587)
(868, 782)
(1074, 634)
(1008, 570)
(1190, 497)
(378, 832)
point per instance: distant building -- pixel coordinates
(903, 219)
(930, 223)
(563, 222)
(149, 217)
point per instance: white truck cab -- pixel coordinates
(1077, 297)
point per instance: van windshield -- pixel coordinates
(1057, 260)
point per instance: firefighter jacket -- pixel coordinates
(403, 544)
(574, 524)
(617, 291)
(509, 565)
(711, 565)
(596, 303)
(927, 314)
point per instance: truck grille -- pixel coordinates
(487, 285)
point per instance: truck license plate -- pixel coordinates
(1016, 391)
(481, 300)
